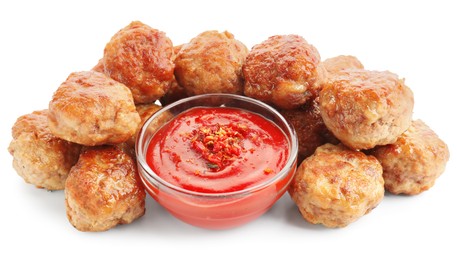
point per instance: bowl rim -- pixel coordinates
(149, 173)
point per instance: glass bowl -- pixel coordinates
(216, 210)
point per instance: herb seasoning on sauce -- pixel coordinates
(217, 150)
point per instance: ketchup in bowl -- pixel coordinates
(219, 161)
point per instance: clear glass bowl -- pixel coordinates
(216, 210)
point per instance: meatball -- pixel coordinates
(39, 157)
(366, 108)
(141, 58)
(283, 71)
(413, 163)
(310, 128)
(103, 190)
(91, 109)
(336, 186)
(211, 63)
(336, 64)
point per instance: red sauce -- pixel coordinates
(216, 150)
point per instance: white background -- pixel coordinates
(42, 42)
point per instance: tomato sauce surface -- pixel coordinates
(217, 150)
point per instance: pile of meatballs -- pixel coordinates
(354, 126)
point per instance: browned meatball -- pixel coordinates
(413, 163)
(39, 157)
(283, 71)
(366, 108)
(310, 128)
(336, 186)
(342, 62)
(103, 190)
(211, 63)
(91, 109)
(141, 58)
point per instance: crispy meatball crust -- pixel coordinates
(211, 63)
(141, 58)
(39, 157)
(366, 108)
(342, 62)
(91, 109)
(103, 190)
(336, 186)
(283, 71)
(310, 128)
(413, 163)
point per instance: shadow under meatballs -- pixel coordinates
(158, 221)
(53, 202)
(287, 211)
(43, 204)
